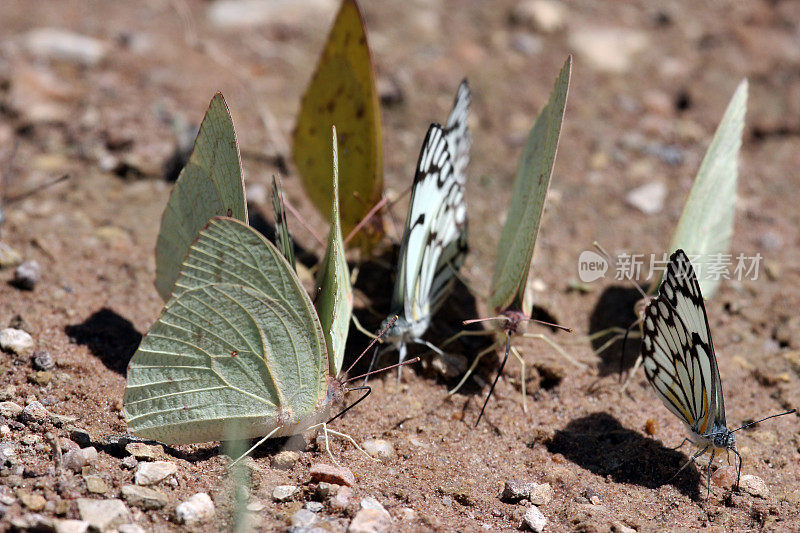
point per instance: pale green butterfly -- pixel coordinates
(239, 349)
(515, 249)
(210, 185)
(705, 227)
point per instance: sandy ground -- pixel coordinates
(646, 96)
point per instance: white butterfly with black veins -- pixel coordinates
(680, 363)
(435, 238)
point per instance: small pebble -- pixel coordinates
(326, 490)
(10, 410)
(80, 436)
(95, 484)
(724, 476)
(283, 493)
(648, 198)
(8, 256)
(371, 503)
(754, 486)
(73, 526)
(103, 514)
(27, 275)
(7, 393)
(31, 439)
(41, 377)
(196, 510)
(151, 473)
(370, 521)
(144, 497)
(285, 460)
(534, 519)
(407, 514)
(42, 360)
(314, 507)
(131, 528)
(129, 462)
(342, 498)
(34, 412)
(16, 341)
(31, 500)
(74, 460)
(379, 449)
(89, 454)
(303, 518)
(330, 474)
(144, 452)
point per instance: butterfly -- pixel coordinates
(509, 298)
(239, 350)
(435, 237)
(705, 227)
(680, 362)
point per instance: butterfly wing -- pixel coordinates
(283, 238)
(335, 300)
(237, 346)
(210, 185)
(518, 239)
(342, 92)
(706, 224)
(458, 131)
(436, 220)
(678, 352)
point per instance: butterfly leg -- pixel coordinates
(516, 354)
(738, 470)
(472, 367)
(497, 377)
(708, 473)
(468, 333)
(555, 346)
(256, 445)
(632, 373)
(687, 463)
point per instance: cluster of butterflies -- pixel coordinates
(240, 350)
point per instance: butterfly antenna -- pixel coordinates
(366, 218)
(499, 371)
(766, 418)
(389, 324)
(36, 189)
(477, 320)
(549, 324)
(608, 258)
(302, 221)
(384, 369)
(363, 397)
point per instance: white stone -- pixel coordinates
(131, 528)
(283, 493)
(754, 486)
(545, 16)
(16, 341)
(72, 526)
(151, 473)
(648, 198)
(534, 519)
(370, 521)
(196, 510)
(103, 514)
(10, 410)
(53, 43)
(608, 49)
(249, 13)
(379, 449)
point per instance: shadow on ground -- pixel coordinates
(601, 445)
(615, 309)
(109, 336)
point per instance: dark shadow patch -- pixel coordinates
(601, 445)
(109, 336)
(615, 309)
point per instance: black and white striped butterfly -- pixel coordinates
(680, 363)
(435, 237)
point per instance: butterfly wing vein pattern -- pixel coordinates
(238, 346)
(679, 354)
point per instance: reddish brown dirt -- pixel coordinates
(95, 235)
